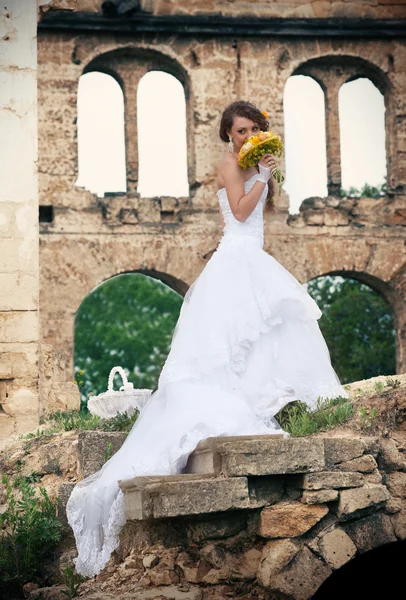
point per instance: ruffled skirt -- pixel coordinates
(247, 342)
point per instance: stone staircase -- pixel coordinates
(269, 514)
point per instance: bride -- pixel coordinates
(246, 343)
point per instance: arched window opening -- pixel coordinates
(101, 134)
(126, 321)
(305, 140)
(362, 138)
(358, 326)
(162, 145)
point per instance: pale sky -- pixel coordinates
(163, 169)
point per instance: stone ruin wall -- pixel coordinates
(253, 517)
(91, 239)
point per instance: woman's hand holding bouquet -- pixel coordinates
(256, 151)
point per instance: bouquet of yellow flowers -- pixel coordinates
(256, 146)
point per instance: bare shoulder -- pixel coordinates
(228, 164)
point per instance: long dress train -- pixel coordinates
(246, 343)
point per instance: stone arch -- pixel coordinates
(305, 144)
(353, 574)
(100, 132)
(176, 284)
(331, 72)
(390, 295)
(362, 133)
(128, 64)
(128, 320)
(155, 121)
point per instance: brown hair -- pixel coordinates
(241, 108)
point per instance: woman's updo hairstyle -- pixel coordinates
(241, 108)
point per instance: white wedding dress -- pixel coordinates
(247, 342)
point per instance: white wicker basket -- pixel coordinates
(127, 399)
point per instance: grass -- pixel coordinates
(299, 420)
(80, 420)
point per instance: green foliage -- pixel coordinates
(72, 580)
(34, 477)
(108, 452)
(393, 382)
(358, 327)
(121, 422)
(128, 321)
(367, 191)
(379, 386)
(368, 418)
(82, 420)
(30, 531)
(299, 420)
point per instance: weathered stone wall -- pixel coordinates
(253, 517)
(19, 234)
(383, 9)
(19, 320)
(92, 239)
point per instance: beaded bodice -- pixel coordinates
(252, 229)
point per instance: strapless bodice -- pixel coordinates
(250, 230)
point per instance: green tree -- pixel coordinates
(358, 327)
(127, 321)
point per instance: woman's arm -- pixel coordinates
(242, 204)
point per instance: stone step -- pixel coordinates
(182, 495)
(257, 455)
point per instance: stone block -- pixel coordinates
(19, 327)
(396, 483)
(56, 457)
(313, 217)
(276, 555)
(371, 532)
(338, 450)
(390, 458)
(399, 523)
(337, 548)
(374, 477)
(7, 427)
(215, 527)
(181, 495)
(335, 218)
(354, 503)
(160, 592)
(289, 520)
(319, 497)
(19, 361)
(266, 490)
(299, 578)
(63, 395)
(92, 448)
(394, 505)
(65, 490)
(18, 291)
(256, 456)
(331, 480)
(363, 464)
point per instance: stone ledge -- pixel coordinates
(256, 455)
(354, 503)
(182, 495)
(332, 480)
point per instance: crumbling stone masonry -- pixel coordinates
(272, 516)
(220, 51)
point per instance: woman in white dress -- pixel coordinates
(247, 342)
